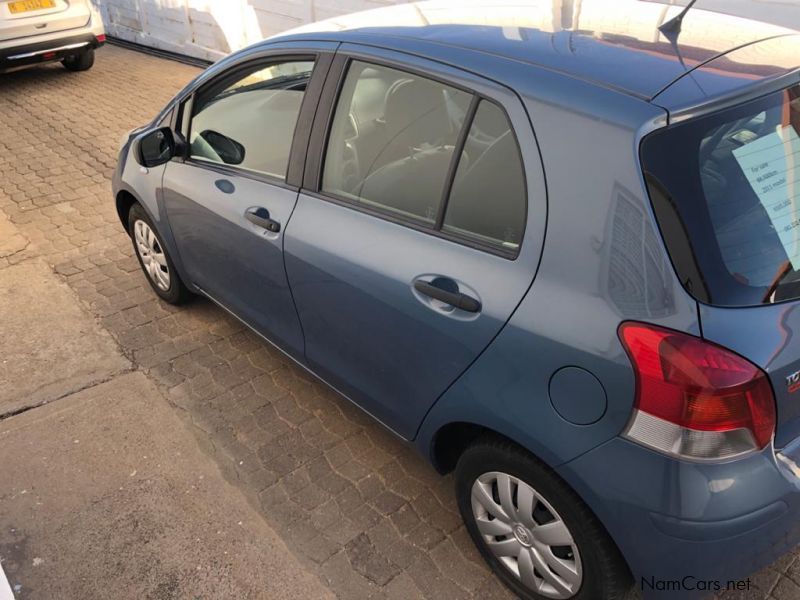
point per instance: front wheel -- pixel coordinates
(154, 258)
(83, 61)
(532, 529)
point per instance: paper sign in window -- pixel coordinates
(771, 165)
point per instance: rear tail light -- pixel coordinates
(695, 399)
(101, 38)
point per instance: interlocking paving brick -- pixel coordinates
(367, 514)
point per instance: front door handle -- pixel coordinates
(456, 299)
(259, 215)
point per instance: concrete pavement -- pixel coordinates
(106, 494)
(49, 347)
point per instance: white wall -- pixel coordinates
(210, 29)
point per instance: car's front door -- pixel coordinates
(229, 201)
(417, 232)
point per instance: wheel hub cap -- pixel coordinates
(523, 535)
(527, 535)
(154, 260)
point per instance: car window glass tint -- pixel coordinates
(724, 187)
(487, 200)
(392, 141)
(250, 123)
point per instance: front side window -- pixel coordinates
(392, 141)
(725, 191)
(249, 123)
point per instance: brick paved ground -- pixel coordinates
(369, 516)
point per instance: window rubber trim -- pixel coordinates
(455, 161)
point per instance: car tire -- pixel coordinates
(82, 61)
(517, 546)
(154, 259)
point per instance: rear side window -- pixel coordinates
(249, 122)
(397, 145)
(726, 192)
(487, 201)
(392, 141)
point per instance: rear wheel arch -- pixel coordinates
(449, 443)
(451, 440)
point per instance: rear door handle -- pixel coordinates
(456, 299)
(259, 215)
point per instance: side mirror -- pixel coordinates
(155, 147)
(229, 150)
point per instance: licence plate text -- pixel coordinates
(30, 5)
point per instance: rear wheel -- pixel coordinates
(82, 61)
(154, 258)
(536, 534)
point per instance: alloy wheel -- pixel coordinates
(527, 535)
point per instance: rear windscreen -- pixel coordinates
(726, 192)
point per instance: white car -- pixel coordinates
(36, 31)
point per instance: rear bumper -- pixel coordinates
(52, 49)
(691, 528)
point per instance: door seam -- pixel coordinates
(296, 202)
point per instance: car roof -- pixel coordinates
(616, 44)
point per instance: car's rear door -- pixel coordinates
(230, 198)
(417, 231)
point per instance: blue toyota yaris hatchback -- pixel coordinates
(554, 245)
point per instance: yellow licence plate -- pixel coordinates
(29, 5)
